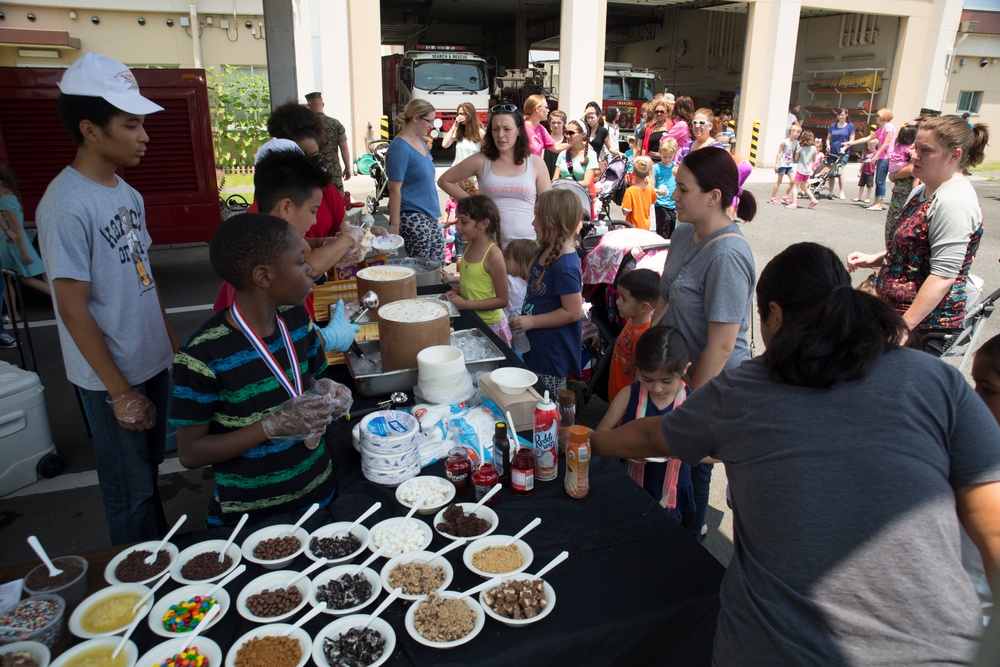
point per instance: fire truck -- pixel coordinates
(444, 76)
(627, 88)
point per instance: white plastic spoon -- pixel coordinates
(239, 527)
(524, 531)
(139, 617)
(212, 612)
(156, 587)
(37, 546)
(151, 558)
(417, 505)
(366, 562)
(563, 555)
(485, 586)
(304, 573)
(396, 592)
(302, 519)
(226, 579)
(357, 522)
(492, 492)
(445, 549)
(316, 611)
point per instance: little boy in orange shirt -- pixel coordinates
(638, 291)
(639, 198)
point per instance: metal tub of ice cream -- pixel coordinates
(370, 381)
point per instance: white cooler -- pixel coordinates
(25, 437)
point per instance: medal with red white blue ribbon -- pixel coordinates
(268, 358)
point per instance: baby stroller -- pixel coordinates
(618, 252)
(373, 164)
(822, 180)
(611, 185)
(977, 311)
(581, 192)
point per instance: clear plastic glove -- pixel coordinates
(339, 332)
(299, 418)
(357, 252)
(134, 411)
(338, 396)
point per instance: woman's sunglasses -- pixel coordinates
(504, 108)
(701, 123)
(569, 133)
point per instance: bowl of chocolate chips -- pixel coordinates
(130, 566)
(269, 598)
(200, 563)
(275, 547)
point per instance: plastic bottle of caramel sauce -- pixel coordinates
(522, 471)
(577, 478)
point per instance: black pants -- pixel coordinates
(666, 221)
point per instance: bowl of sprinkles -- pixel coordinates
(179, 612)
(42, 616)
(204, 653)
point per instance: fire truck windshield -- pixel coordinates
(449, 75)
(628, 88)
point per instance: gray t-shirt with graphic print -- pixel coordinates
(97, 234)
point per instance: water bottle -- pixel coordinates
(520, 341)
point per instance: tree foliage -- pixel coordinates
(241, 104)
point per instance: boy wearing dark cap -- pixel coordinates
(116, 339)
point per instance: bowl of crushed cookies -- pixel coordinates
(418, 573)
(489, 556)
(444, 620)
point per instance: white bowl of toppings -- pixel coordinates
(178, 612)
(275, 547)
(465, 525)
(441, 620)
(400, 535)
(97, 652)
(488, 557)
(337, 644)
(345, 589)
(441, 492)
(170, 650)
(270, 639)
(416, 579)
(519, 601)
(388, 243)
(129, 566)
(269, 599)
(513, 380)
(199, 563)
(325, 544)
(107, 612)
(36, 651)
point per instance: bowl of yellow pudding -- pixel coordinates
(97, 653)
(108, 611)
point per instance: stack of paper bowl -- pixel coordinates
(389, 441)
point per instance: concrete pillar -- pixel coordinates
(364, 28)
(919, 75)
(767, 75)
(281, 56)
(581, 53)
(521, 45)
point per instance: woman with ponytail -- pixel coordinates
(707, 284)
(852, 462)
(931, 245)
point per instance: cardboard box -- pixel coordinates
(521, 407)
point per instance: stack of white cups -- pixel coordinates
(441, 375)
(389, 441)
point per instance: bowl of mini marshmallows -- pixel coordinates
(439, 491)
(400, 535)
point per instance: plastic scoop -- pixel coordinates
(37, 546)
(524, 531)
(563, 555)
(316, 611)
(366, 562)
(226, 579)
(306, 572)
(445, 549)
(212, 612)
(156, 587)
(485, 586)
(417, 505)
(139, 618)
(151, 558)
(357, 522)
(302, 519)
(232, 536)
(396, 592)
(492, 492)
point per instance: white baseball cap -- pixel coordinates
(95, 75)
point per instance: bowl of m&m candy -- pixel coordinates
(204, 653)
(180, 611)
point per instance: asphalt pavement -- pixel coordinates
(65, 512)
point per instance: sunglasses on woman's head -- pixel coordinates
(504, 108)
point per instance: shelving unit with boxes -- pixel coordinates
(828, 90)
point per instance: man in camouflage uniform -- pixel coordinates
(336, 137)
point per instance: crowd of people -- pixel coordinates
(848, 533)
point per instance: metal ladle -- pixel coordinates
(369, 300)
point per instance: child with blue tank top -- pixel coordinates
(661, 359)
(482, 282)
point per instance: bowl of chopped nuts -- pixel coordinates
(344, 589)
(519, 602)
(417, 579)
(444, 620)
(440, 493)
(269, 598)
(489, 556)
(343, 640)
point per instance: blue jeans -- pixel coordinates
(127, 463)
(701, 479)
(881, 172)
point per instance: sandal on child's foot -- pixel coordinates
(786, 200)
(791, 206)
(856, 199)
(812, 204)
(772, 200)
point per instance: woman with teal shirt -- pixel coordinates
(16, 252)
(579, 161)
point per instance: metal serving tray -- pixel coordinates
(405, 379)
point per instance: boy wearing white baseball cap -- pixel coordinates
(116, 339)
